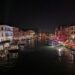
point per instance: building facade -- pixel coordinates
(6, 33)
(16, 33)
(71, 31)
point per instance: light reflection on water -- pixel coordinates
(67, 56)
(68, 61)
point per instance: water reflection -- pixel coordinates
(66, 56)
(44, 57)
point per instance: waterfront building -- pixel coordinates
(6, 33)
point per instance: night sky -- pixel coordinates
(44, 15)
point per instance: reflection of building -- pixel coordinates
(6, 32)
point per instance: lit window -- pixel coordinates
(9, 34)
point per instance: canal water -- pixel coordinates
(41, 60)
(34, 61)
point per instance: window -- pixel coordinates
(8, 29)
(1, 28)
(8, 33)
(72, 32)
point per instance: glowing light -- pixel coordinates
(72, 36)
(59, 49)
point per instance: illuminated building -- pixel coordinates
(30, 33)
(19, 34)
(66, 34)
(23, 36)
(6, 33)
(16, 33)
(70, 31)
(51, 36)
(30, 37)
(43, 38)
(61, 34)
